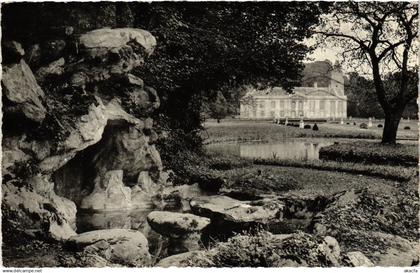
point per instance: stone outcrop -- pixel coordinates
(12, 52)
(22, 92)
(119, 246)
(52, 216)
(356, 258)
(84, 139)
(109, 193)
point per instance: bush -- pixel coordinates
(348, 123)
(354, 123)
(315, 128)
(380, 126)
(371, 153)
(262, 249)
(363, 126)
(407, 128)
(307, 126)
(260, 181)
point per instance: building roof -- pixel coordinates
(320, 78)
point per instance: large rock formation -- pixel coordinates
(79, 132)
(22, 92)
(119, 246)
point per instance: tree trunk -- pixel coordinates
(392, 120)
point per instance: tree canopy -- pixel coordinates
(383, 36)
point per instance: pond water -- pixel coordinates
(297, 149)
(133, 219)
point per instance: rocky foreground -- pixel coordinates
(78, 135)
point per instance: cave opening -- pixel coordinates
(76, 179)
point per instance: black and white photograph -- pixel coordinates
(210, 134)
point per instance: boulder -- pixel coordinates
(55, 68)
(176, 225)
(356, 258)
(109, 193)
(37, 212)
(12, 52)
(110, 53)
(183, 229)
(229, 210)
(396, 251)
(121, 246)
(23, 92)
(119, 37)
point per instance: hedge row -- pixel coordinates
(382, 171)
(371, 153)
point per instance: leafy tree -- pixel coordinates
(207, 47)
(362, 100)
(218, 108)
(382, 35)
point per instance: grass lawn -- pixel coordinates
(243, 130)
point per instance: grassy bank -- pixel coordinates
(242, 131)
(386, 172)
(371, 153)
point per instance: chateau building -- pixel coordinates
(321, 96)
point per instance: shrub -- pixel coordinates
(407, 128)
(262, 249)
(261, 181)
(363, 126)
(380, 126)
(225, 162)
(354, 123)
(315, 128)
(348, 123)
(307, 126)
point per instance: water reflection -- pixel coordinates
(134, 219)
(296, 149)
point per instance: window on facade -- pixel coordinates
(281, 113)
(332, 106)
(340, 106)
(282, 104)
(273, 104)
(272, 114)
(300, 105)
(322, 105)
(261, 104)
(262, 114)
(254, 113)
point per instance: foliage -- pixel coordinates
(218, 108)
(375, 212)
(263, 249)
(372, 153)
(258, 180)
(207, 48)
(383, 36)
